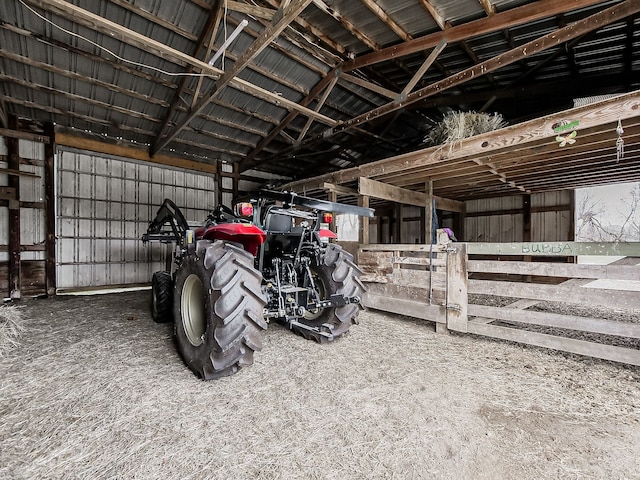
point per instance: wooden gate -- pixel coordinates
(564, 306)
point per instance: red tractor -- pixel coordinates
(267, 259)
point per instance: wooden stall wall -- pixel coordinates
(590, 310)
(22, 217)
(542, 217)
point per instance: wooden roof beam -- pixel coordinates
(424, 67)
(386, 18)
(385, 92)
(280, 21)
(562, 35)
(319, 105)
(623, 107)
(347, 24)
(489, 8)
(250, 160)
(500, 21)
(206, 36)
(91, 20)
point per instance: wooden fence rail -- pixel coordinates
(526, 302)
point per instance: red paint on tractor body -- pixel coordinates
(247, 234)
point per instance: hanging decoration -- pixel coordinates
(566, 126)
(619, 142)
(567, 139)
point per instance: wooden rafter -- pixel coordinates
(386, 18)
(319, 105)
(439, 19)
(347, 24)
(208, 32)
(280, 21)
(316, 34)
(509, 139)
(253, 10)
(488, 6)
(385, 92)
(424, 67)
(83, 17)
(562, 35)
(500, 21)
(4, 119)
(250, 160)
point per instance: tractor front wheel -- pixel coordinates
(162, 297)
(218, 309)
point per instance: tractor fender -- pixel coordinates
(246, 234)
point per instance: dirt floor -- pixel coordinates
(96, 390)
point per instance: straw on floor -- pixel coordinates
(11, 327)
(96, 390)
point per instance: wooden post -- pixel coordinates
(397, 225)
(50, 213)
(456, 298)
(235, 183)
(526, 227)
(428, 212)
(333, 197)
(13, 161)
(219, 183)
(363, 201)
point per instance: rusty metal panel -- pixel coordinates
(104, 207)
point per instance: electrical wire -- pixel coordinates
(122, 59)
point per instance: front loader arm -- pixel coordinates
(167, 213)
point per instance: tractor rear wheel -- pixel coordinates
(161, 297)
(218, 306)
(336, 273)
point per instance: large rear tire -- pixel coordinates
(162, 297)
(336, 273)
(218, 307)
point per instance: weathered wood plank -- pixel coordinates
(561, 249)
(610, 272)
(434, 262)
(420, 278)
(408, 292)
(384, 191)
(557, 293)
(581, 347)
(7, 132)
(403, 247)
(411, 308)
(457, 297)
(571, 322)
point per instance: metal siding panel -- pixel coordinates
(104, 211)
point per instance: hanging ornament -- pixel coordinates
(619, 142)
(567, 139)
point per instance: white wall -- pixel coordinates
(104, 205)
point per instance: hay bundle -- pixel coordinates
(10, 328)
(458, 125)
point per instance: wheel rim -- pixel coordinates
(192, 309)
(322, 291)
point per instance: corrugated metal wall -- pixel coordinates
(104, 205)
